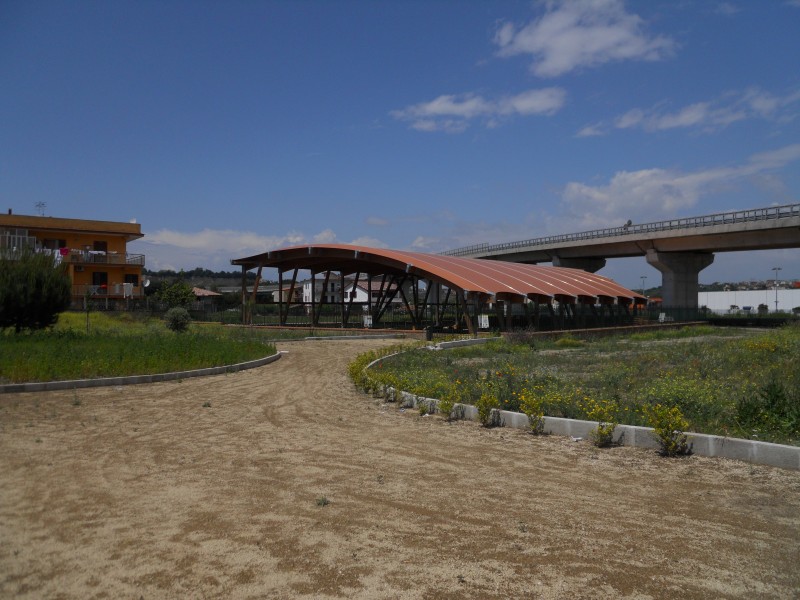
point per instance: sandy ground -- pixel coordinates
(143, 492)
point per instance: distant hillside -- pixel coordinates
(203, 278)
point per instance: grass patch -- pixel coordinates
(122, 344)
(734, 383)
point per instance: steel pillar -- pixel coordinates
(679, 275)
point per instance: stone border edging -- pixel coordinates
(46, 386)
(762, 453)
(387, 336)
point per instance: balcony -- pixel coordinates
(94, 257)
(13, 242)
(114, 290)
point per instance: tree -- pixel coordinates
(34, 290)
(179, 294)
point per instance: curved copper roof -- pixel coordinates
(503, 280)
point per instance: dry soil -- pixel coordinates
(286, 482)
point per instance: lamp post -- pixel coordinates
(776, 269)
(643, 277)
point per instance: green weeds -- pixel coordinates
(117, 348)
(731, 383)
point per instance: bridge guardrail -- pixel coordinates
(739, 216)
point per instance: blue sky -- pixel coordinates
(231, 128)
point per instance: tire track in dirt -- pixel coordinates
(144, 491)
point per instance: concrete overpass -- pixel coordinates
(679, 248)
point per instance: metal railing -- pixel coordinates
(105, 258)
(741, 216)
(114, 290)
(16, 242)
(11, 245)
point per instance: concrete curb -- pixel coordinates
(46, 386)
(761, 453)
(459, 343)
(389, 336)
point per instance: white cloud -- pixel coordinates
(581, 33)
(326, 236)
(727, 9)
(651, 194)
(214, 248)
(592, 130)
(370, 242)
(424, 243)
(453, 113)
(752, 103)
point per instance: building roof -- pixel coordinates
(498, 279)
(201, 293)
(130, 231)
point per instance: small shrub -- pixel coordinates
(569, 342)
(604, 412)
(177, 319)
(446, 403)
(488, 408)
(531, 405)
(669, 425)
(323, 501)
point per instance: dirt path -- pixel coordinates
(143, 492)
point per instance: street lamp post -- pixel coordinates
(643, 277)
(776, 269)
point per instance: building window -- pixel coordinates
(100, 246)
(52, 244)
(132, 278)
(100, 279)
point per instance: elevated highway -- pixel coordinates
(679, 248)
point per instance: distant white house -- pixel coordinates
(364, 291)
(330, 292)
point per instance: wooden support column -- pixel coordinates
(285, 316)
(252, 304)
(341, 298)
(351, 296)
(280, 297)
(369, 297)
(322, 301)
(465, 307)
(313, 299)
(244, 295)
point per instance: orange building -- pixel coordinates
(95, 252)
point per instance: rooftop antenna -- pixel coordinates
(40, 206)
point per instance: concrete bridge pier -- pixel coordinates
(680, 273)
(590, 265)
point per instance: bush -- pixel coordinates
(488, 407)
(448, 402)
(33, 290)
(669, 425)
(531, 405)
(604, 412)
(177, 319)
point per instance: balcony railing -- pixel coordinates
(114, 290)
(16, 242)
(11, 246)
(105, 258)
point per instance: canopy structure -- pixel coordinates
(473, 282)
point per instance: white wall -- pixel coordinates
(721, 301)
